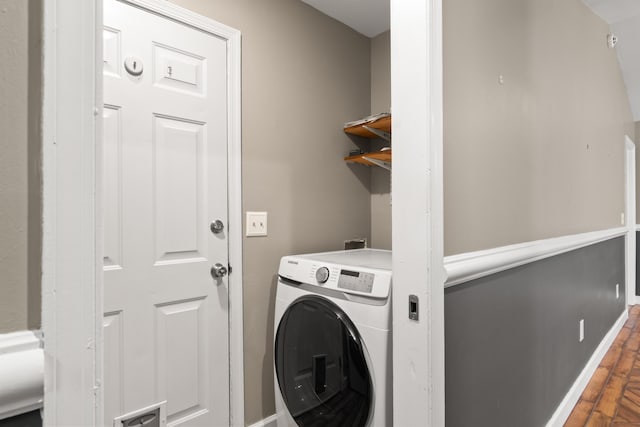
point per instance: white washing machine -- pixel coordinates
(332, 339)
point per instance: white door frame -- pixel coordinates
(630, 220)
(72, 223)
(71, 259)
(418, 267)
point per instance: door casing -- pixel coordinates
(72, 193)
(630, 220)
(417, 212)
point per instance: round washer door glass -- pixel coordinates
(321, 367)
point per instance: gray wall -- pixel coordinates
(511, 339)
(542, 154)
(303, 76)
(380, 178)
(19, 165)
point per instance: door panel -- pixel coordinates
(182, 357)
(112, 187)
(165, 180)
(178, 180)
(113, 362)
(178, 70)
(111, 52)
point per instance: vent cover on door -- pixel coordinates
(151, 416)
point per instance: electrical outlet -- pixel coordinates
(621, 218)
(256, 224)
(617, 290)
(581, 327)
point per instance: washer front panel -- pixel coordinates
(321, 367)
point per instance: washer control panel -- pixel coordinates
(356, 281)
(351, 279)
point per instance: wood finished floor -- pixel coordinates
(612, 397)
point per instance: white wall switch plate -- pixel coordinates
(581, 325)
(256, 224)
(617, 290)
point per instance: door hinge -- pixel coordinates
(229, 269)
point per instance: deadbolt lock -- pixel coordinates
(133, 66)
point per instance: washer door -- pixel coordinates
(321, 367)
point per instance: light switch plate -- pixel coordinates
(256, 224)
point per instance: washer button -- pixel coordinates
(322, 274)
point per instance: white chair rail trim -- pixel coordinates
(22, 373)
(474, 265)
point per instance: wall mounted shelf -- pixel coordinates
(378, 126)
(377, 158)
(371, 127)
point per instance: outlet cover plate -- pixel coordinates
(256, 224)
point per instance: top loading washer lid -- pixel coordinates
(365, 272)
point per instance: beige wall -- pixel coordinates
(14, 151)
(380, 178)
(34, 167)
(303, 76)
(542, 154)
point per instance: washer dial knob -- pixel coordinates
(322, 274)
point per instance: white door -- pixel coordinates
(165, 181)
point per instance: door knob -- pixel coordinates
(218, 271)
(216, 226)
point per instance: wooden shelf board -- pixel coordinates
(384, 156)
(383, 124)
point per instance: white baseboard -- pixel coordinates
(270, 421)
(21, 373)
(569, 402)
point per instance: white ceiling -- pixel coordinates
(623, 16)
(368, 17)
